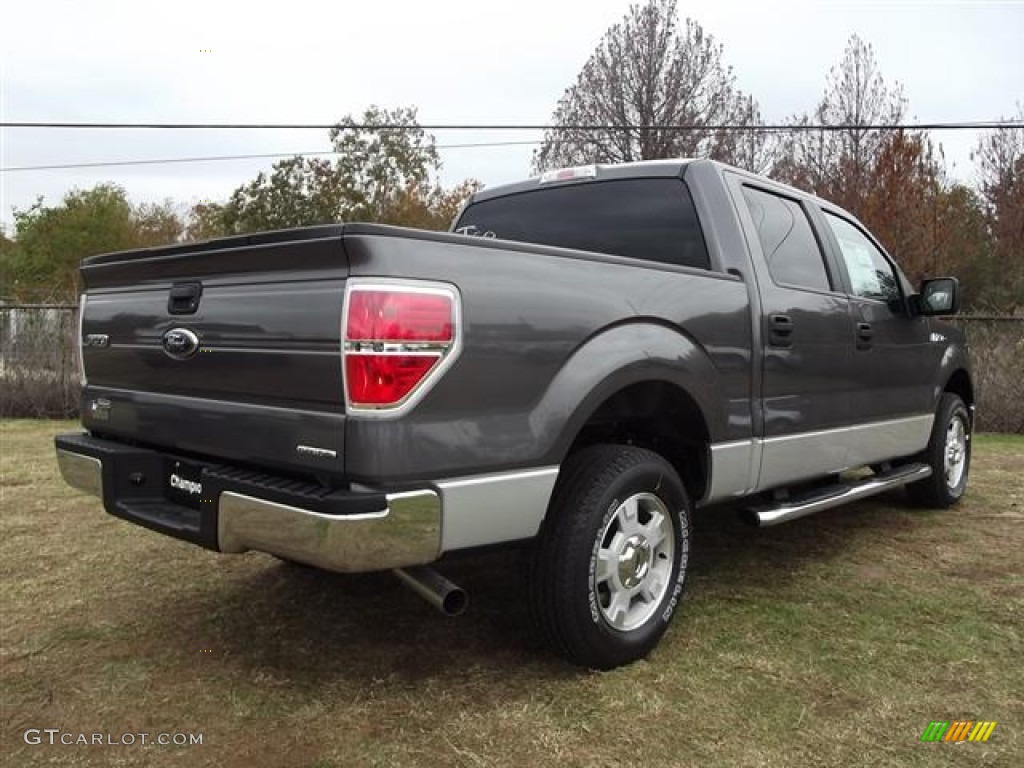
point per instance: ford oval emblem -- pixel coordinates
(180, 343)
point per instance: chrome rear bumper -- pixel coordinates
(406, 531)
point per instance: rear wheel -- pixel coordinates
(948, 454)
(608, 569)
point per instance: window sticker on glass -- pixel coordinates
(862, 269)
(871, 275)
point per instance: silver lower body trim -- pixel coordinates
(491, 509)
(792, 458)
(748, 466)
(734, 469)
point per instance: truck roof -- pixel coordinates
(667, 168)
(601, 171)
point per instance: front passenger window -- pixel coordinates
(871, 275)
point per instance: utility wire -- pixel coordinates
(217, 158)
(974, 125)
(955, 126)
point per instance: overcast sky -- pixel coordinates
(480, 62)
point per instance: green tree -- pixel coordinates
(49, 242)
(297, 192)
(385, 171)
(8, 250)
(650, 71)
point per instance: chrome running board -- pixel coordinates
(834, 495)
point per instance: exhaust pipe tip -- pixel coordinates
(751, 518)
(450, 599)
(455, 602)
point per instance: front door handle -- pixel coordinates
(780, 331)
(864, 335)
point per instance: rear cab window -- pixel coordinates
(652, 219)
(793, 255)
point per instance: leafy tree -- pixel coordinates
(428, 207)
(49, 242)
(8, 249)
(964, 248)
(376, 167)
(205, 221)
(649, 71)
(297, 192)
(381, 174)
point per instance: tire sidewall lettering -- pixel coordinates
(684, 557)
(592, 599)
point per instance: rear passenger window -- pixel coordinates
(650, 219)
(790, 248)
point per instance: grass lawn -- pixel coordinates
(830, 641)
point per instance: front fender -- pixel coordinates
(954, 358)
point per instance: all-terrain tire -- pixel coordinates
(948, 454)
(607, 571)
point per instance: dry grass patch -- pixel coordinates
(830, 641)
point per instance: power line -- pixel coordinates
(973, 125)
(976, 125)
(218, 158)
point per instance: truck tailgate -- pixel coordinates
(228, 349)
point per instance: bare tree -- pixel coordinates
(1000, 159)
(647, 74)
(998, 155)
(838, 164)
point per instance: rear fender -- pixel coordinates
(614, 359)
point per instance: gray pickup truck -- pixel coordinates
(587, 358)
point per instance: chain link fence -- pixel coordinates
(38, 366)
(997, 355)
(39, 377)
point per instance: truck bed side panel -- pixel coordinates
(527, 313)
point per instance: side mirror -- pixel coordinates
(939, 296)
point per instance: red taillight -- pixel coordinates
(396, 338)
(382, 380)
(398, 316)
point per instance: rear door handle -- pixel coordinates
(780, 331)
(864, 335)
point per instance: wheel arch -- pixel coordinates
(660, 416)
(959, 383)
